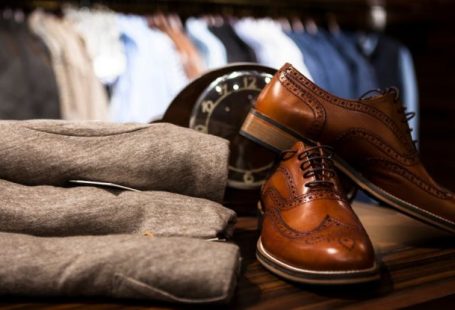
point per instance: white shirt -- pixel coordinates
(272, 46)
(101, 34)
(154, 73)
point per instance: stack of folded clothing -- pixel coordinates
(151, 226)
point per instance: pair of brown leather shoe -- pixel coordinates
(310, 233)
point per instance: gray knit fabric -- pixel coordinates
(145, 157)
(125, 266)
(84, 210)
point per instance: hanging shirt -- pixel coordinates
(312, 59)
(363, 76)
(210, 47)
(83, 97)
(36, 22)
(271, 45)
(237, 50)
(393, 66)
(154, 73)
(100, 32)
(410, 90)
(339, 75)
(28, 87)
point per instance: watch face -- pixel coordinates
(220, 110)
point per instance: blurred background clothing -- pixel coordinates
(108, 65)
(28, 86)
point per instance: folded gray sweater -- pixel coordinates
(85, 210)
(125, 266)
(145, 157)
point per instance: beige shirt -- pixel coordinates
(82, 94)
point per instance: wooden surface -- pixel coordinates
(418, 272)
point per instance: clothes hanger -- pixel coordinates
(218, 20)
(19, 16)
(227, 14)
(332, 23)
(171, 24)
(297, 25)
(159, 21)
(210, 18)
(284, 24)
(7, 13)
(175, 22)
(310, 26)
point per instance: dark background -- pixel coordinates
(426, 26)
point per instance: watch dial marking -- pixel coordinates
(220, 110)
(207, 106)
(249, 82)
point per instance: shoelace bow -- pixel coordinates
(315, 161)
(401, 109)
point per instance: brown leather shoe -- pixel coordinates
(309, 232)
(370, 136)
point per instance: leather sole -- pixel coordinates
(300, 275)
(275, 136)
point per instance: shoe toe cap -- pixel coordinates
(340, 250)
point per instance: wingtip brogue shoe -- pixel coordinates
(309, 232)
(370, 137)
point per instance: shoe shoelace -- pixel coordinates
(407, 116)
(314, 162)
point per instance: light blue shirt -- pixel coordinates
(406, 77)
(409, 92)
(154, 73)
(209, 46)
(271, 45)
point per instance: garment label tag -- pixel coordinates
(104, 184)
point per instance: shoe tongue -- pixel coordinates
(388, 104)
(371, 94)
(380, 99)
(375, 93)
(300, 147)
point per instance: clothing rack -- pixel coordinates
(354, 14)
(145, 5)
(350, 14)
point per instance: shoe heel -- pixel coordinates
(261, 129)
